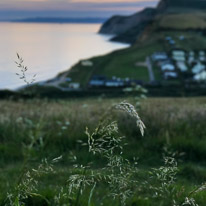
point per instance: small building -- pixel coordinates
(68, 79)
(114, 83)
(191, 60)
(97, 81)
(127, 79)
(87, 63)
(182, 66)
(181, 37)
(198, 68)
(74, 85)
(168, 67)
(201, 76)
(158, 56)
(179, 58)
(201, 53)
(163, 62)
(202, 58)
(192, 53)
(178, 55)
(172, 42)
(170, 75)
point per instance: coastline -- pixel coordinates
(62, 51)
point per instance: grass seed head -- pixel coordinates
(129, 109)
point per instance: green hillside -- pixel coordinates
(123, 63)
(182, 21)
(194, 4)
(120, 64)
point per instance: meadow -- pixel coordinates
(47, 158)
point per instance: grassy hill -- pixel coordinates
(182, 21)
(123, 63)
(194, 4)
(120, 63)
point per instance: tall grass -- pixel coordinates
(113, 164)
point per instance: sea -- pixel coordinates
(48, 49)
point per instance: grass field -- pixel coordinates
(183, 21)
(49, 129)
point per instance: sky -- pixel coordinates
(17, 9)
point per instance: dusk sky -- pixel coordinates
(12, 9)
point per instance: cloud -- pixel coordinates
(111, 1)
(74, 1)
(81, 7)
(38, 2)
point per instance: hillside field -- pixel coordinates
(183, 21)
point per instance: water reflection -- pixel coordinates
(48, 48)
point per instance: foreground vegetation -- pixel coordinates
(44, 146)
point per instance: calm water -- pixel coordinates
(48, 49)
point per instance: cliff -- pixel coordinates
(121, 24)
(146, 31)
(129, 28)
